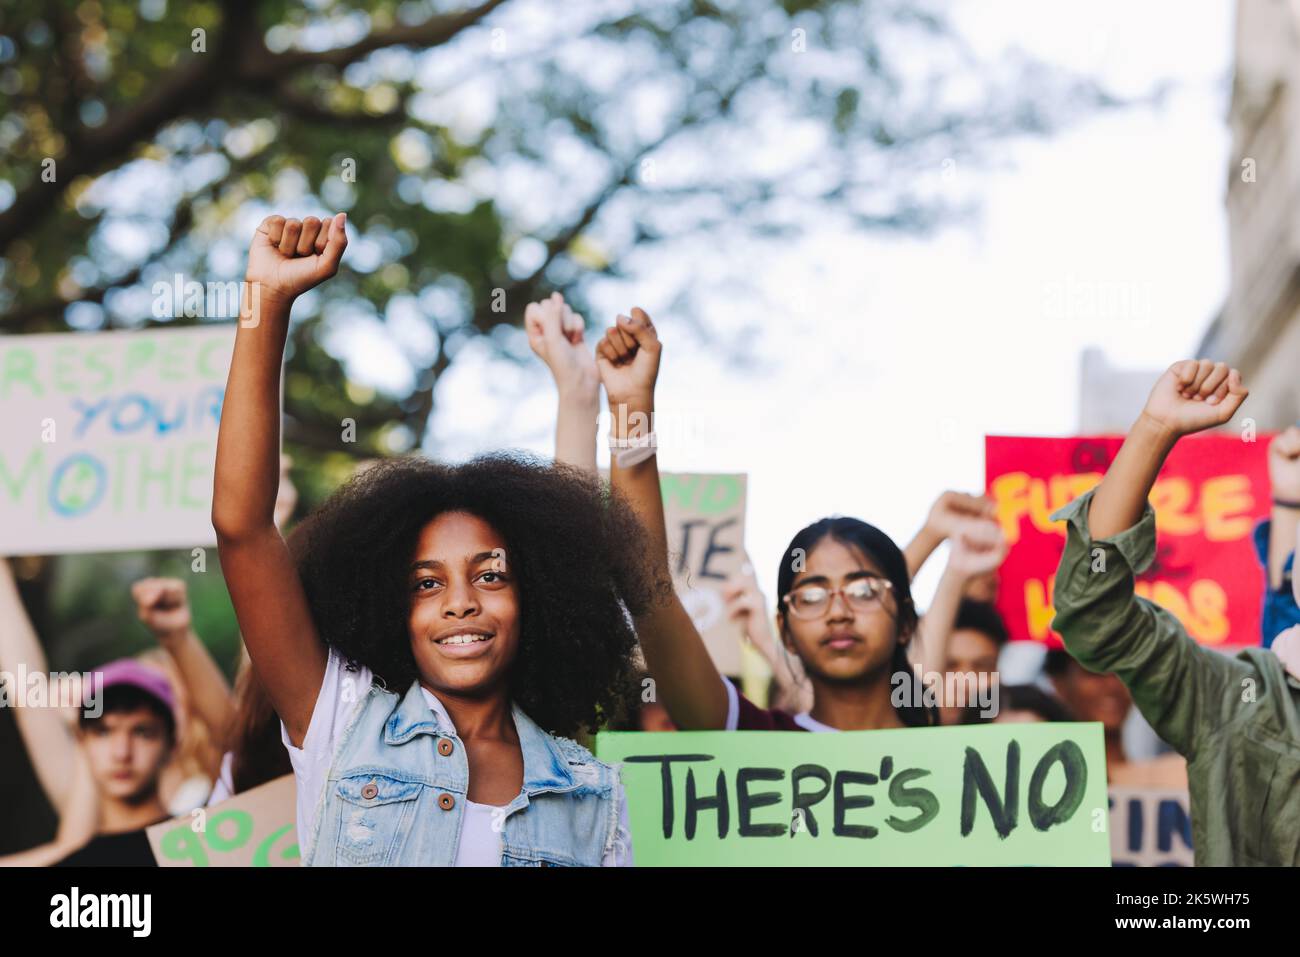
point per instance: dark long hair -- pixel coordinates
(258, 753)
(880, 548)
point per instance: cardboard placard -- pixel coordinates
(1150, 827)
(108, 440)
(705, 518)
(1208, 498)
(1012, 795)
(253, 829)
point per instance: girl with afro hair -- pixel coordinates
(436, 634)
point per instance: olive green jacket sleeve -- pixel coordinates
(1184, 690)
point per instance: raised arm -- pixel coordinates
(286, 258)
(747, 607)
(49, 743)
(977, 548)
(688, 682)
(948, 511)
(555, 333)
(1184, 691)
(163, 606)
(1191, 396)
(78, 821)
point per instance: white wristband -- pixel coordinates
(632, 451)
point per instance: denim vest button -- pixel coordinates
(446, 802)
(370, 791)
(445, 747)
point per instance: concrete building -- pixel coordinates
(1258, 329)
(1110, 398)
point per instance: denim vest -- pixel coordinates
(396, 793)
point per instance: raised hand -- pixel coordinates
(555, 333)
(163, 606)
(978, 548)
(289, 256)
(627, 358)
(1194, 395)
(951, 509)
(1284, 465)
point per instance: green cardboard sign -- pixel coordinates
(1031, 794)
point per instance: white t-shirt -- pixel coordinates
(480, 842)
(225, 786)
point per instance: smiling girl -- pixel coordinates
(434, 633)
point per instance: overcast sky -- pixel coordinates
(884, 361)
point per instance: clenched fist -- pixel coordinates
(290, 256)
(1194, 395)
(555, 334)
(628, 360)
(163, 606)
(978, 548)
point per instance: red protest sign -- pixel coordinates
(1208, 498)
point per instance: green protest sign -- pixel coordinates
(1014, 795)
(107, 440)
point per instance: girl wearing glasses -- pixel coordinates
(845, 608)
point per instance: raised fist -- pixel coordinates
(555, 333)
(290, 256)
(1194, 395)
(163, 606)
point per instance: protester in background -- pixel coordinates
(1236, 720)
(846, 609)
(203, 694)
(1019, 704)
(747, 606)
(242, 723)
(1277, 537)
(946, 515)
(978, 636)
(485, 606)
(127, 747)
(1105, 699)
(128, 744)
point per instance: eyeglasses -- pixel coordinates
(861, 594)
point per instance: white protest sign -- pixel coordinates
(705, 518)
(107, 440)
(1150, 827)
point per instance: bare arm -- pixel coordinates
(555, 333)
(46, 737)
(747, 606)
(1189, 397)
(164, 608)
(978, 548)
(691, 687)
(948, 511)
(78, 819)
(286, 259)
